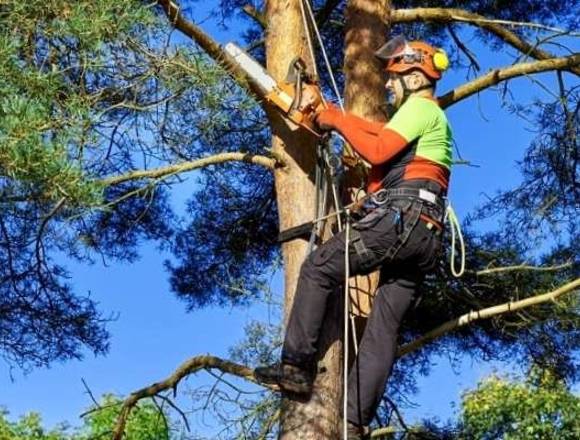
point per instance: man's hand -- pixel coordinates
(328, 118)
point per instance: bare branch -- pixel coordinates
(448, 15)
(96, 409)
(179, 411)
(523, 268)
(487, 313)
(90, 393)
(498, 75)
(397, 413)
(463, 48)
(258, 16)
(267, 427)
(50, 215)
(39, 248)
(161, 414)
(156, 173)
(272, 163)
(189, 367)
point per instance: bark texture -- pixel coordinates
(318, 418)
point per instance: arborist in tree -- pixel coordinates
(400, 233)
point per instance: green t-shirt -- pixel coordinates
(422, 118)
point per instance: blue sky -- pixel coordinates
(153, 334)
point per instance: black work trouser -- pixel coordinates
(393, 238)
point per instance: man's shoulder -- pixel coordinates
(420, 108)
(422, 102)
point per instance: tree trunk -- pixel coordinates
(320, 417)
(285, 39)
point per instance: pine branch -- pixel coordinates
(499, 75)
(463, 48)
(209, 45)
(487, 313)
(496, 27)
(272, 163)
(156, 173)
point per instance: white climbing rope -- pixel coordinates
(323, 50)
(345, 323)
(455, 227)
(308, 38)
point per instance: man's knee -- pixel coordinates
(325, 264)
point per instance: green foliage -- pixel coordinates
(542, 407)
(146, 422)
(28, 427)
(44, 122)
(90, 90)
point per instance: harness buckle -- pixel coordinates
(380, 197)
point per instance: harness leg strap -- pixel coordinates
(366, 257)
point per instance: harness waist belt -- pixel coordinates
(381, 196)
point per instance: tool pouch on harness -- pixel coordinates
(405, 214)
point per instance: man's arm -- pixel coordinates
(374, 141)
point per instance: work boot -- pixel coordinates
(357, 432)
(291, 378)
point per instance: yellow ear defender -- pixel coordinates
(440, 60)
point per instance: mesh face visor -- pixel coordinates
(395, 48)
(401, 56)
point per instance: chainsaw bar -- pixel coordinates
(299, 100)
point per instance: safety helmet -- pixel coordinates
(402, 56)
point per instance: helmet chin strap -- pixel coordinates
(407, 91)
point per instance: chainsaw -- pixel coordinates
(298, 97)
